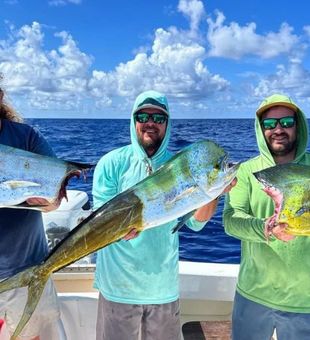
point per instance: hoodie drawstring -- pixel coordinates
(149, 169)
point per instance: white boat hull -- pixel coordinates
(206, 294)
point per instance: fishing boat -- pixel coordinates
(206, 289)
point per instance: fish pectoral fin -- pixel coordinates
(184, 193)
(302, 211)
(19, 184)
(182, 220)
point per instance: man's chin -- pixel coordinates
(150, 140)
(281, 150)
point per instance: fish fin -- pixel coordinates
(302, 211)
(35, 289)
(182, 220)
(181, 195)
(19, 184)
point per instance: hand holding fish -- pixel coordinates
(278, 230)
(43, 203)
(131, 235)
(230, 186)
(206, 212)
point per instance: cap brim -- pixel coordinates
(150, 106)
(268, 106)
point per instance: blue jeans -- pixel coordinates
(253, 321)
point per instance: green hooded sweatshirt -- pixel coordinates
(274, 273)
(143, 270)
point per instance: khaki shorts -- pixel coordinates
(12, 306)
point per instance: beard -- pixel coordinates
(150, 144)
(282, 149)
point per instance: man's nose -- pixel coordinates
(278, 128)
(150, 123)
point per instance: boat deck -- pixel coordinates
(215, 330)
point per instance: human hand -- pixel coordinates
(131, 235)
(277, 229)
(231, 185)
(43, 203)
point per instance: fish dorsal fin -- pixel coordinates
(19, 184)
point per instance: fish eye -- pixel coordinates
(217, 166)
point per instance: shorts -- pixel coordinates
(124, 321)
(12, 305)
(254, 321)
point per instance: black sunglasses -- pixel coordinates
(144, 117)
(285, 122)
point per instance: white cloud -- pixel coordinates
(194, 10)
(235, 41)
(30, 70)
(174, 66)
(307, 30)
(71, 66)
(293, 80)
(63, 78)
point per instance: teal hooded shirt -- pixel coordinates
(143, 270)
(275, 273)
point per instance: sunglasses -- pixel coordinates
(144, 117)
(285, 122)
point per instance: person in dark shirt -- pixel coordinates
(23, 241)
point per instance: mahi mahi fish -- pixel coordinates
(26, 175)
(193, 177)
(289, 187)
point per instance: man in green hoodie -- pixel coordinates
(273, 289)
(138, 279)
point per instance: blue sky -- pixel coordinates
(213, 59)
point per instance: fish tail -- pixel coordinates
(35, 282)
(16, 281)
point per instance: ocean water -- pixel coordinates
(87, 140)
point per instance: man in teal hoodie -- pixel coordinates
(273, 289)
(138, 278)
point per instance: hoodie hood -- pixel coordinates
(150, 99)
(302, 127)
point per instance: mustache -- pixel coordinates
(279, 134)
(144, 129)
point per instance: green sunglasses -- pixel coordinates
(144, 117)
(285, 122)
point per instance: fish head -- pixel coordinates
(266, 177)
(289, 186)
(211, 168)
(270, 179)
